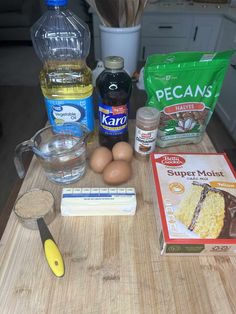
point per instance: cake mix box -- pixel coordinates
(195, 203)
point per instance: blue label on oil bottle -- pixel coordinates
(72, 110)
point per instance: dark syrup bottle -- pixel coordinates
(114, 87)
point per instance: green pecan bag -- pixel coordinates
(184, 87)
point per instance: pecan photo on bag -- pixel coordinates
(183, 121)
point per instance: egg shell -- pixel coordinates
(117, 172)
(122, 151)
(100, 158)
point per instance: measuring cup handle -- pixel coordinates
(18, 161)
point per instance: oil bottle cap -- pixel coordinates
(56, 2)
(114, 62)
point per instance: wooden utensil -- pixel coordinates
(102, 19)
(109, 10)
(142, 5)
(135, 4)
(129, 13)
(122, 13)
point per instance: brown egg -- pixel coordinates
(117, 172)
(122, 151)
(100, 157)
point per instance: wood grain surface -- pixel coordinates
(112, 264)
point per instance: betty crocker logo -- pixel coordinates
(171, 160)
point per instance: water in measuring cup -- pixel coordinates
(63, 159)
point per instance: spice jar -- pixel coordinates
(147, 119)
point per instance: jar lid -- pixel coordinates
(114, 62)
(148, 114)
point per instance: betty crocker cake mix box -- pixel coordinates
(195, 197)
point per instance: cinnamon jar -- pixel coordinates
(147, 119)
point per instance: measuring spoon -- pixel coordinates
(35, 209)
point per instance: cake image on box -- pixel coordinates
(207, 211)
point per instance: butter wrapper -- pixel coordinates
(98, 201)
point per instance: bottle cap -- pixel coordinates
(114, 62)
(148, 115)
(56, 3)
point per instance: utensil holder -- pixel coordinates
(123, 42)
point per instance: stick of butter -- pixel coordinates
(98, 201)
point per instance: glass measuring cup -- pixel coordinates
(60, 149)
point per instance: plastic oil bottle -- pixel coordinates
(62, 42)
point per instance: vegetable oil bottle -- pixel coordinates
(62, 41)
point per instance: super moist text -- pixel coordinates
(199, 173)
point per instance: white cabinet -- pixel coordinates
(205, 31)
(227, 36)
(171, 32)
(161, 45)
(163, 33)
(226, 106)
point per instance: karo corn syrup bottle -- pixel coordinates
(114, 87)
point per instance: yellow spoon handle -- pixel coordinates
(52, 253)
(54, 257)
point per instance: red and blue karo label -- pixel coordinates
(113, 120)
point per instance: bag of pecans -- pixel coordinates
(184, 87)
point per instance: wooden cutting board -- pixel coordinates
(112, 264)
